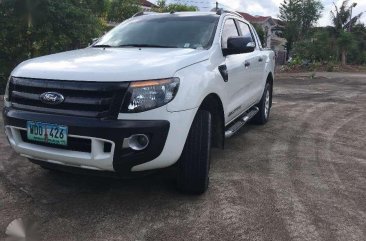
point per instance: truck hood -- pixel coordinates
(110, 64)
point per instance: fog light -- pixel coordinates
(138, 142)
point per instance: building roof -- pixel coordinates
(254, 19)
(146, 3)
(261, 19)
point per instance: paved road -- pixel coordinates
(300, 177)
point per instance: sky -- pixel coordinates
(270, 7)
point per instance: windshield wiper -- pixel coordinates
(102, 46)
(145, 46)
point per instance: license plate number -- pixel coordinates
(47, 133)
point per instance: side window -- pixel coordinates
(230, 30)
(245, 30)
(258, 39)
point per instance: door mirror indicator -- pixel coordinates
(239, 45)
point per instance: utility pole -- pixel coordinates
(217, 6)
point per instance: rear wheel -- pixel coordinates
(264, 106)
(194, 164)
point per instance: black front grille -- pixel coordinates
(88, 99)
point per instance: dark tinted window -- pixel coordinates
(168, 31)
(228, 31)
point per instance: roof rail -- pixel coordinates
(221, 11)
(143, 13)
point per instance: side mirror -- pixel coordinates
(239, 45)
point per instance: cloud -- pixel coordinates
(271, 7)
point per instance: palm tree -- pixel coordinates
(343, 21)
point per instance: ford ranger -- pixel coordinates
(158, 90)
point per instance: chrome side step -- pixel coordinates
(240, 122)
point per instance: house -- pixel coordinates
(272, 30)
(273, 37)
(146, 6)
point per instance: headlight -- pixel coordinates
(151, 94)
(6, 95)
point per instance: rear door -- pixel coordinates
(239, 73)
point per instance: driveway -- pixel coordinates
(300, 177)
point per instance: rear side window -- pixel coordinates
(245, 30)
(258, 40)
(230, 30)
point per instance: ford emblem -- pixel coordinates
(52, 98)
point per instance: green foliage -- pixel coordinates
(326, 47)
(31, 28)
(163, 7)
(331, 44)
(121, 10)
(343, 24)
(310, 14)
(357, 52)
(299, 17)
(290, 14)
(345, 40)
(318, 47)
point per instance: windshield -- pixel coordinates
(166, 31)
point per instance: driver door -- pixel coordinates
(239, 74)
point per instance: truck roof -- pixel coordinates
(188, 14)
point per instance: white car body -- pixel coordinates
(199, 77)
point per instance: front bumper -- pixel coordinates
(106, 139)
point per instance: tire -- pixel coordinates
(194, 163)
(264, 106)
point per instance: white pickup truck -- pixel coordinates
(157, 90)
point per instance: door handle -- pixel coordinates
(246, 64)
(260, 59)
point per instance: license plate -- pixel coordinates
(47, 133)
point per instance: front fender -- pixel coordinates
(196, 82)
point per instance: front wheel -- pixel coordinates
(194, 164)
(264, 106)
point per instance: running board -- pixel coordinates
(240, 122)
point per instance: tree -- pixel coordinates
(317, 47)
(120, 10)
(357, 53)
(299, 16)
(310, 14)
(38, 27)
(162, 7)
(345, 41)
(343, 22)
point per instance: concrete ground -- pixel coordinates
(300, 177)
